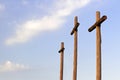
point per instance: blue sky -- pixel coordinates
(31, 32)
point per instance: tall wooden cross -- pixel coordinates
(61, 51)
(97, 25)
(74, 31)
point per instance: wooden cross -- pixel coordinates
(97, 25)
(74, 31)
(61, 51)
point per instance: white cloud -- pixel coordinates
(31, 28)
(8, 66)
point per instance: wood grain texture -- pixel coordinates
(61, 51)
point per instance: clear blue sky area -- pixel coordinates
(31, 32)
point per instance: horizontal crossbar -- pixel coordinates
(61, 50)
(75, 28)
(97, 23)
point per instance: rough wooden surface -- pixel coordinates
(98, 43)
(76, 24)
(98, 48)
(97, 23)
(61, 51)
(74, 31)
(75, 57)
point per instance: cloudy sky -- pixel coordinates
(31, 32)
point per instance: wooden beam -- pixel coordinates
(97, 23)
(61, 51)
(74, 31)
(76, 24)
(98, 48)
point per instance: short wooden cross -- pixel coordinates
(61, 51)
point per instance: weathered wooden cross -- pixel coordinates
(61, 51)
(97, 25)
(74, 31)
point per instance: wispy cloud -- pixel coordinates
(49, 22)
(25, 2)
(2, 7)
(8, 66)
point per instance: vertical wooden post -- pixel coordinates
(61, 51)
(75, 53)
(76, 24)
(98, 48)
